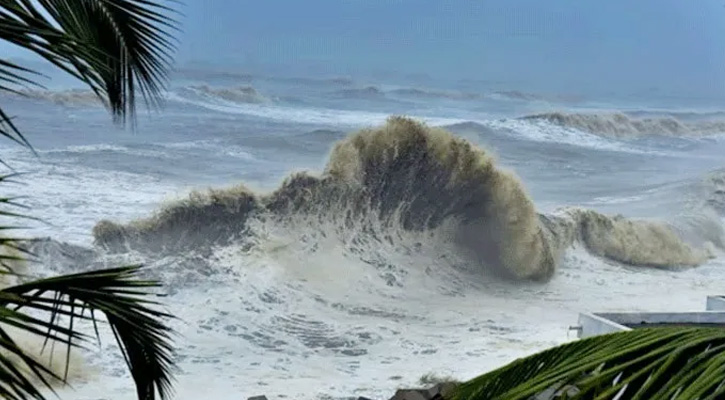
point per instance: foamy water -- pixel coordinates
(302, 302)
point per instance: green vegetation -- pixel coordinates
(651, 363)
(121, 49)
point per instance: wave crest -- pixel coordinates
(370, 92)
(434, 94)
(625, 240)
(236, 94)
(406, 174)
(68, 98)
(619, 125)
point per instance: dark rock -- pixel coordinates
(411, 394)
(441, 389)
(258, 398)
(434, 393)
(363, 398)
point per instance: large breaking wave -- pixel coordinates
(405, 179)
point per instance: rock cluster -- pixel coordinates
(436, 392)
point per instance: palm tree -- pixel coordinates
(121, 49)
(653, 363)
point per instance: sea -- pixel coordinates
(327, 237)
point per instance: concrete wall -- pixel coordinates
(592, 324)
(715, 303)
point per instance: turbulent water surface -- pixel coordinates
(313, 247)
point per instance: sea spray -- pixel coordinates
(430, 176)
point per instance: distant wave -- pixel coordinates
(682, 115)
(340, 81)
(517, 95)
(84, 98)
(622, 126)
(374, 92)
(434, 94)
(70, 97)
(370, 92)
(237, 94)
(398, 180)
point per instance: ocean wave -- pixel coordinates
(94, 150)
(235, 94)
(85, 98)
(405, 179)
(68, 98)
(303, 115)
(374, 92)
(622, 126)
(678, 114)
(628, 241)
(518, 95)
(315, 82)
(434, 94)
(370, 92)
(539, 131)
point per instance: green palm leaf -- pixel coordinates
(116, 47)
(120, 49)
(137, 325)
(651, 363)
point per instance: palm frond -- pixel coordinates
(120, 45)
(16, 375)
(116, 47)
(11, 78)
(652, 363)
(13, 250)
(144, 339)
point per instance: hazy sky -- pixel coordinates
(678, 45)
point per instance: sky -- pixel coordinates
(555, 45)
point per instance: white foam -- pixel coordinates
(87, 194)
(542, 131)
(104, 147)
(304, 115)
(216, 146)
(288, 318)
(228, 332)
